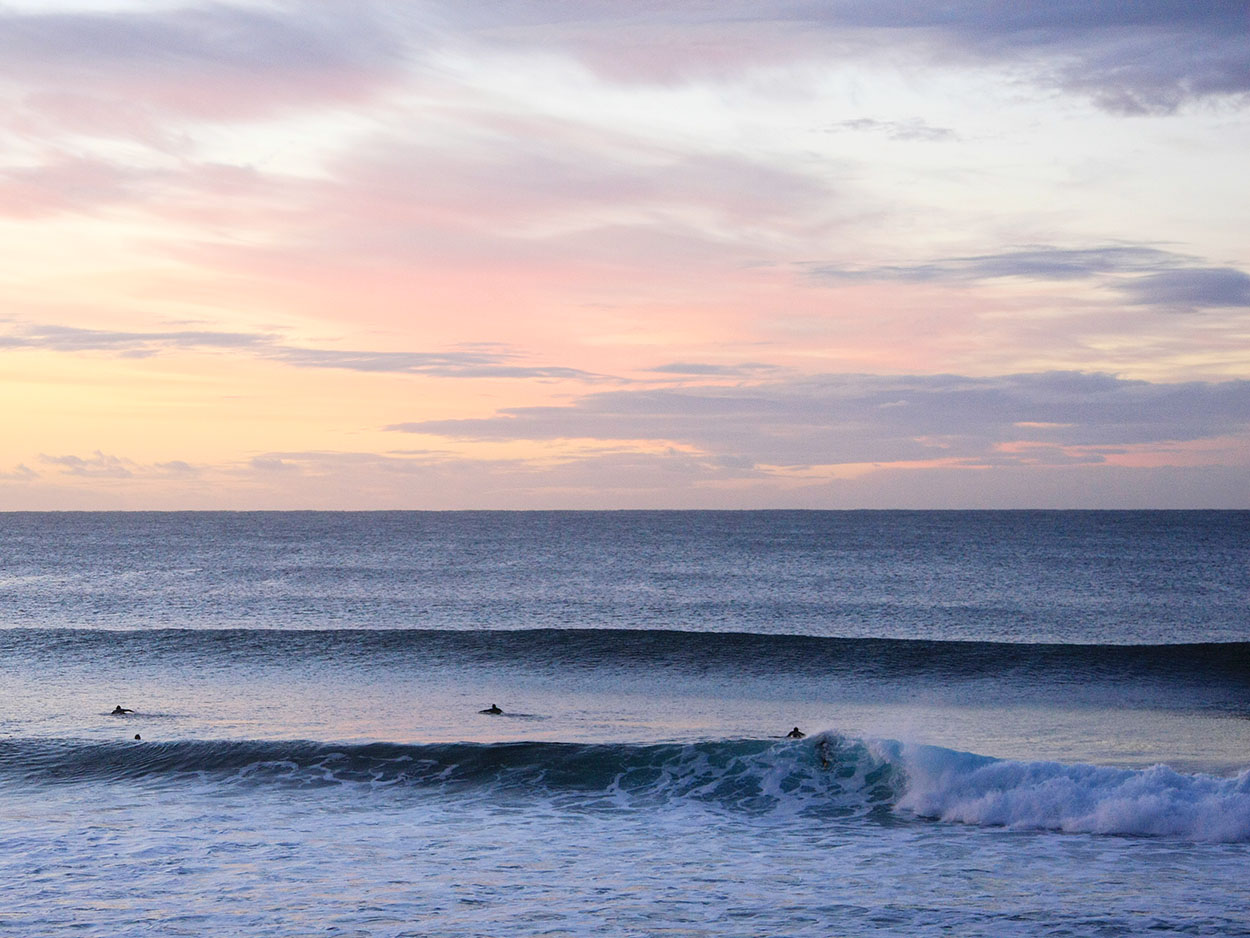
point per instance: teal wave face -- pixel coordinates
(825, 774)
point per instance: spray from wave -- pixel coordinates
(825, 777)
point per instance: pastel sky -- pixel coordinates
(590, 254)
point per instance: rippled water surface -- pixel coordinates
(1017, 723)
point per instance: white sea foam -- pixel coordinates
(1156, 802)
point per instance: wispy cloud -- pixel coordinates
(515, 186)
(1039, 262)
(706, 369)
(910, 130)
(20, 473)
(56, 338)
(99, 465)
(466, 363)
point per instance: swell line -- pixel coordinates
(647, 646)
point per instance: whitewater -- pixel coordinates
(1016, 723)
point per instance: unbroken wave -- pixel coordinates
(1212, 676)
(826, 776)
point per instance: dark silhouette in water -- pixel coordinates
(491, 709)
(795, 733)
(119, 710)
(137, 736)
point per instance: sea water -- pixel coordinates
(1018, 723)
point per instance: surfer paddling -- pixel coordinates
(795, 733)
(492, 709)
(119, 711)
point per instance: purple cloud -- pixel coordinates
(1150, 56)
(1147, 276)
(868, 418)
(1192, 288)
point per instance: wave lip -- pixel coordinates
(1154, 802)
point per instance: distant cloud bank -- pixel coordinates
(831, 419)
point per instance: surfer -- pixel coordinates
(119, 710)
(492, 709)
(795, 733)
(137, 736)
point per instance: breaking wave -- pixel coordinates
(826, 776)
(1154, 802)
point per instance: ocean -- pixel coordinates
(1015, 723)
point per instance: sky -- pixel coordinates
(342, 254)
